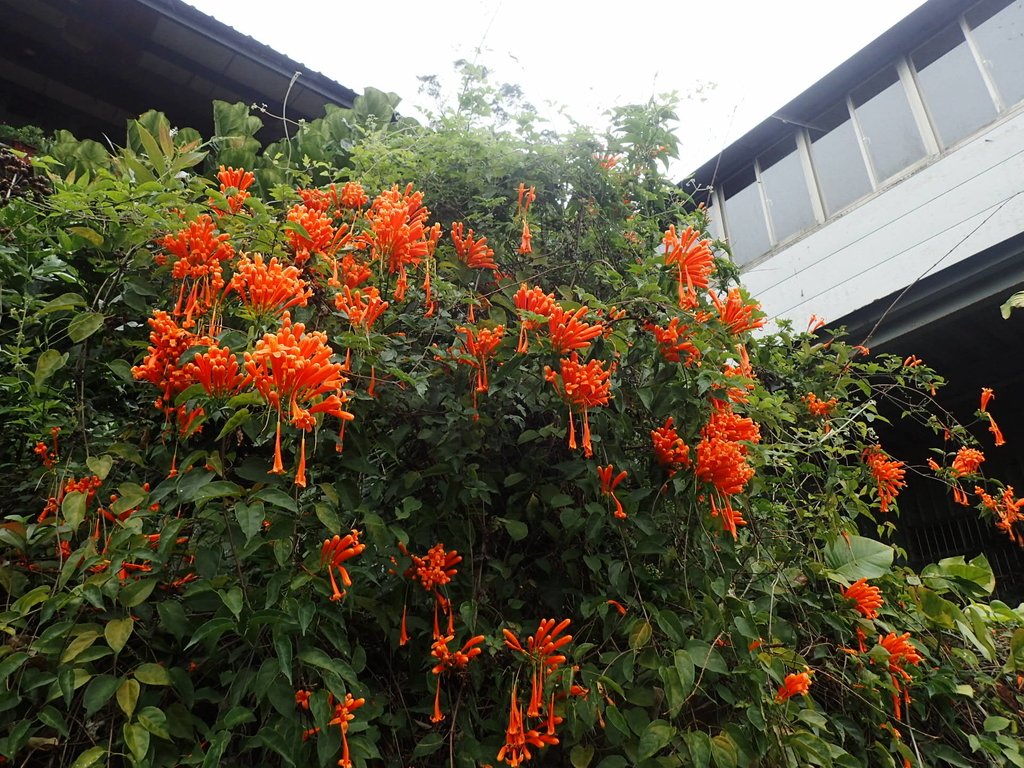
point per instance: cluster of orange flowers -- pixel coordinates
(693, 260)
(233, 186)
(669, 449)
(673, 341)
(735, 313)
(336, 551)
(986, 395)
(608, 486)
(526, 198)
(48, 456)
(451, 661)
(479, 346)
(198, 265)
(472, 251)
(433, 571)
(797, 684)
(343, 715)
(722, 460)
(1007, 511)
(888, 474)
(582, 386)
(267, 289)
(543, 652)
(866, 597)
(87, 485)
(535, 302)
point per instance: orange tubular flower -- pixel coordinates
(515, 751)
(167, 343)
(536, 302)
(568, 332)
(480, 346)
(448, 661)
(293, 369)
(525, 244)
(582, 387)
(819, 407)
(336, 551)
(797, 684)
(362, 306)
(541, 649)
(199, 254)
(398, 235)
(342, 717)
(608, 486)
(217, 370)
(731, 517)
(888, 475)
(669, 344)
(694, 263)
(669, 449)
(867, 598)
(736, 314)
(233, 184)
(475, 254)
(312, 232)
(433, 571)
(526, 198)
(353, 196)
(901, 652)
(986, 395)
(1007, 511)
(268, 288)
(967, 461)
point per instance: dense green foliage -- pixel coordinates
(177, 628)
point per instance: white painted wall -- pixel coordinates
(911, 228)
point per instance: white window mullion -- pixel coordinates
(862, 142)
(917, 108)
(990, 85)
(803, 146)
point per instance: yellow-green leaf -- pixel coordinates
(128, 696)
(152, 674)
(117, 633)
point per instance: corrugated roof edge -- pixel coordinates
(247, 46)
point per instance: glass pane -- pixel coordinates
(891, 135)
(785, 188)
(837, 159)
(952, 86)
(998, 29)
(744, 218)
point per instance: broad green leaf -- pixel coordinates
(581, 755)
(100, 465)
(136, 592)
(155, 721)
(128, 696)
(640, 635)
(63, 302)
(214, 628)
(995, 723)
(152, 674)
(89, 758)
(277, 498)
(137, 739)
(656, 736)
(79, 644)
(238, 419)
(216, 490)
(84, 325)
(723, 751)
(48, 364)
(517, 530)
(73, 509)
(130, 496)
(88, 234)
(11, 664)
(698, 744)
(232, 598)
(99, 691)
(250, 518)
(117, 632)
(855, 557)
(31, 599)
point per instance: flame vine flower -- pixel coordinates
(336, 551)
(398, 235)
(736, 314)
(536, 302)
(669, 449)
(161, 367)
(233, 185)
(451, 661)
(542, 650)
(867, 598)
(473, 252)
(693, 260)
(582, 386)
(1007, 511)
(901, 652)
(480, 345)
(669, 344)
(888, 474)
(267, 289)
(312, 231)
(343, 715)
(293, 369)
(526, 198)
(433, 571)
(362, 306)
(199, 254)
(987, 395)
(967, 461)
(722, 461)
(217, 371)
(608, 486)
(797, 684)
(568, 332)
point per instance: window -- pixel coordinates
(838, 162)
(887, 124)
(785, 189)
(997, 27)
(952, 86)
(744, 217)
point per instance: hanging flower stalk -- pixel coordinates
(293, 370)
(888, 474)
(722, 461)
(535, 302)
(479, 346)
(336, 551)
(583, 387)
(526, 198)
(199, 254)
(433, 571)
(608, 486)
(451, 661)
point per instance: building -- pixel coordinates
(90, 65)
(889, 198)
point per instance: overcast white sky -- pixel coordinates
(586, 57)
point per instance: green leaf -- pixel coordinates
(581, 755)
(238, 418)
(724, 751)
(99, 691)
(100, 465)
(12, 664)
(89, 758)
(995, 723)
(656, 736)
(216, 490)
(128, 696)
(130, 496)
(250, 518)
(53, 719)
(63, 302)
(137, 739)
(88, 234)
(48, 364)
(214, 628)
(79, 644)
(152, 674)
(517, 530)
(232, 598)
(277, 498)
(858, 558)
(428, 745)
(685, 667)
(155, 721)
(73, 509)
(84, 325)
(117, 632)
(136, 593)
(1015, 300)
(698, 744)
(640, 635)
